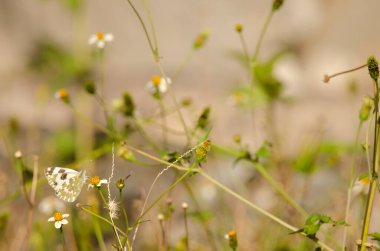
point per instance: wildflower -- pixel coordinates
(239, 27)
(95, 181)
(158, 85)
(361, 186)
(231, 236)
(120, 184)
(114, 209)
(100, 39)
(59, 219)
(63, 95)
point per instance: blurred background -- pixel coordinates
(44, 47)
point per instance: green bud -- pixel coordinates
(126, 154)
(231, 236)
(203, 120)
(277, 4)
(90, 87)
(367, 105)
(128, 105)
(120, 184)
(201, 39)
(237, 138)
(373, 68)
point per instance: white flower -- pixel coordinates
(158, 85)
(95, 181)
(59, 219)
(100, 39)
(361, 186)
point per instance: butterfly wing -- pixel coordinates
(66, 182)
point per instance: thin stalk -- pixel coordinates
(177, 108)
(183, 63)
(328, 77)
(98, 234)
(103, 219)
(373, 174)
(245, 48)
(126, 240)
(350, 185)
(261, 37)
(367, 142)
(280, 190)
(151, 46)
(226, 189)
(164, 124)
(186, 229)
(62, 239)
(151, 23)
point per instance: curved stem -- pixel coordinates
(261, 37)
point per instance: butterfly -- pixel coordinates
(67, 183)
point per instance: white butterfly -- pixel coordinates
(66, 182)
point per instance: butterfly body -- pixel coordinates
(67, 183)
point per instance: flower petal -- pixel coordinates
(51, 219)
(92, 40)
(101, 44)
(108, 37)
(58, 224)
(65, 215)
(64, 221)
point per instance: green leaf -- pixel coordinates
(375, 236)
(264, 150)
(265, 78)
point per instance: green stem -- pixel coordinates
(126, 240)
(103, 219)
(226, 189)
(350, 185)
(153, 50)
(245, 48)
(99, 235)
(261, 37)
(151, 23)
(280, 190)
(62, 239)
(256, 208)
(373, 174)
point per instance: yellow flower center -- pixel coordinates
(100, 35)
(63, 93)
(58, 216)
(94, 180)
(238, 27)
(232, 234)
(156, 80)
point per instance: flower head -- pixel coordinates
(100, 39)
(63, 95)
(231, 236)
(158, 85)
(239, 27)
(95, 181)
(59, 219)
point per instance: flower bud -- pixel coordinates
(373, 68)
(239, 27)
(277, 4)
(366, 108)
(90, 87)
